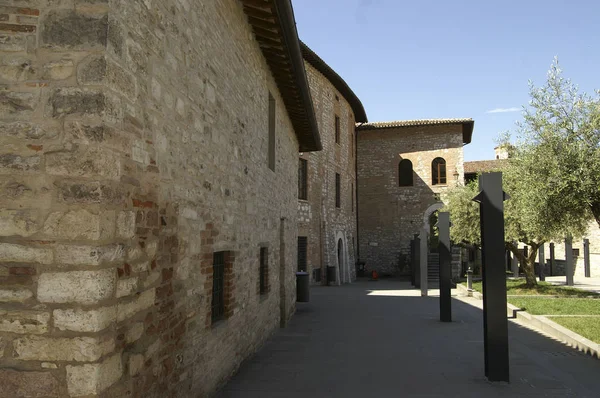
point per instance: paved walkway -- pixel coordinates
(380, 339)
(589, 284)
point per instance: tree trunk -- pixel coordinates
(527, 263)
(595, 208)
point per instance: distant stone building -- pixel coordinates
(327, 235)
(403, 168)
(148, 210)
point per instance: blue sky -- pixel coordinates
(446, 59)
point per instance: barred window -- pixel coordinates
(337, 190)
(218, 290)
(264, 270)
(303, 179)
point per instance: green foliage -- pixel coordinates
(557, 306)
(464, 214)
(518, 287)
(588, 327)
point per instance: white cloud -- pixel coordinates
(504, 110)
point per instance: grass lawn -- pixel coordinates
(586, 327)
(557, 306)
(517, 287)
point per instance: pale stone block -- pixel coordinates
(134, 253)
(78, 320)
(80, 224)
(152, 349)
(49, 365)
(126, 225)
(15, 295)
(152, 279)
(80, 349)
(34, 322)
(136, 364)
(126, 287)
(135, 332)
(140, 267)
(10, 252)
(142, 302)
(92, 379)
(58, 70)
(88, 255)
(18, 222)
(86, 287)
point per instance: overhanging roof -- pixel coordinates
(311, 57)
(274, 27)
(467, 125)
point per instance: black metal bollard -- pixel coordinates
(586, 258)
(445, 267)
(470, 282)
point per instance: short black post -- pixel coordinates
(412, 262)
(542, 262)
(552, 259)
(495, 323)
(416, 264)
(586, 258)
(570, 269)
(445, 267)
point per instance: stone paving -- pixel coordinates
(589, 284)
(380, 339)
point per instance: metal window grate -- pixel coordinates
(337, 190)
(302, 244)
(302, 179)
(218, 302)
(264, 264)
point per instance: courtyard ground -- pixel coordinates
(381, 339)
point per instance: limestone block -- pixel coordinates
(94, 162)
(80, 349)
(10, 163)
(21, 384)
(34, 322)
(92, 379)
(14, 295)
(88, 132)
(26, 130)
(136, 364)
(80, 224)
(140, 303)
(10, 252)
(135, 332)
(49, 365)
(126, 225)
(58, 70)
(13, 43)
(98, 69)
(18, 222)
(86, 287)
(17, 103)
(69, 29)
(68, 101)
(88, 255)
(79, 320)
(126, 287)
(16, 69)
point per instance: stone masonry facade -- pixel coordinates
(388, 214)
(323, 224)
(133, 147)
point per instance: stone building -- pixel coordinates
(327, 179)
(403, 168)
(147, 224)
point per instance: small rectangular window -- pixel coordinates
(337, 129)
(303, 179)
(218, 290)
(302, 249)
(337, 190)
(264, 270)
(575, 252)
(271, 149)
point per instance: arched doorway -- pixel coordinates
(343, 271)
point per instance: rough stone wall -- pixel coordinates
(132, 148)
(389, 215)
(318, 217)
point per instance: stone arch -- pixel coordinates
(434, 207)
(341, 259)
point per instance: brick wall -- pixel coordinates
(389, 215)
(319, 219)
(133, 147)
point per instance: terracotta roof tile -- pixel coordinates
(482, 166)
(467, 123)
